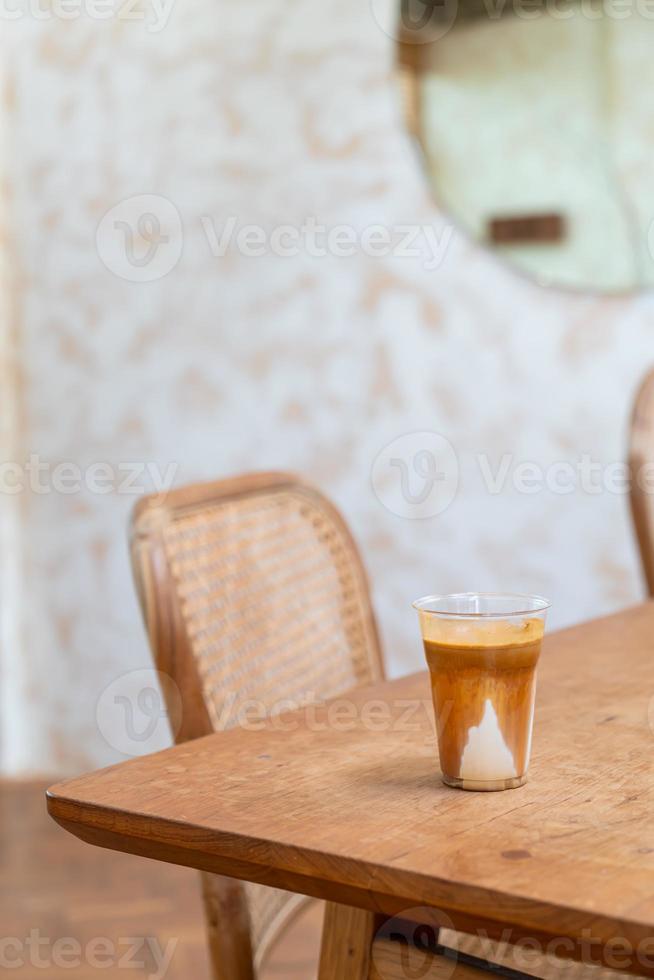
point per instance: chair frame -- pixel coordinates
(641, 453)
(232, 954)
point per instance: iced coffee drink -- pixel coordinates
(482, 651)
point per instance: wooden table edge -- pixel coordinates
(482, 912)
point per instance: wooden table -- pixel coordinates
(344, 802)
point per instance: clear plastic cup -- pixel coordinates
(482, 651)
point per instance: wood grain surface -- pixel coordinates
(345, 802)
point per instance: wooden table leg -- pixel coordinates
(346, 943)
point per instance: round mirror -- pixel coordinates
(536, 124)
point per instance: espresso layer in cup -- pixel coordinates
(483, 679)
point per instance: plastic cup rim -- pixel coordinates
(526, 604)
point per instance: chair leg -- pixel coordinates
(346, 943)
(228, 928)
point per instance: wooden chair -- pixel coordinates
(252, 590)
(641, 467)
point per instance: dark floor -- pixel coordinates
(72, 910)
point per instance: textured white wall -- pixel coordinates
(273, 112)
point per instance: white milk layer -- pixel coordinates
(486, 754)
